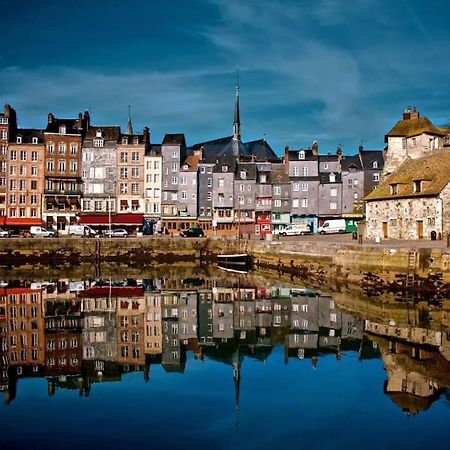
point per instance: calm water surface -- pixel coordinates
(218, 363)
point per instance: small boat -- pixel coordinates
(233, 268)
(243, 260)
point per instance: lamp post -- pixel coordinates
(109, 215)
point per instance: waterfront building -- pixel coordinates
(63, 183)
(153, 322)
(413, 202)
(244, 196)
(8, 127)
(153, 181)
(281, 198)
(411, 137)
(173, 152)
(189, 191)
(223, 195)
(205, 194)
(263, 198)
(131, 150)
(205, 317)
(25, 179)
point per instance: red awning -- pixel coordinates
(23, 221)
(2, 220)
(135, 202)
(116, 219)
(123, 202)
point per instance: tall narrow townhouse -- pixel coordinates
(303, 170)
(205, 199)
(8, 126)
(153, 323)
(244, 197)
(63, 185)
(173, 151)
(263, 198)
(153, 181)
(281, 196)
(223, 195)
(330, 188)
(25, 179)
(189, 191)
(99, 170)
(130, 170)
(352, 186)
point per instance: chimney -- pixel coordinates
(146, 135)
(339, 151)
(80, 121)
(315, 148)
(199, 153)
(87, 119)
(51, 118)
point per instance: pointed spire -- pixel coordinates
(129, 124)
(237, 118)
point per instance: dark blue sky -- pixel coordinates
(335, 71)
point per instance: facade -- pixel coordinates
(153, 324)
(413, 202)
(25, 162)
(63, 184)
(189, 190)
(153, 181)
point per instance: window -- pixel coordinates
(183, 181)
(174, 167)
(174, 180)
(332, 178)
(333, 205)
(301, 154)
(62, 129)
(98, 142)
(333, 192)
(19, 139)
(277, 203)
(376, 177)
(123, 157)
(13, 155)
(202, 169)
(296, 187)
(135, 188)
(34, 156)
(34, 140)
(277, 190)
(73, 149)
(174, 154)
(62, 166)
(50, 166)
(183, 195)
(295, 171)
(22, 185)
(209, 184)
(62, 148)
(304, 202)
(135, 157)
(305, 171)
(394, 189)
(295, 202)
(123, 172)
(50, 148)
(23, 155)
(375, 165)
(355, 195)
(305, 187)
(135, 172)
(123, 188)
(417, 186)
(243, 174)
(224, 168)
(414, 142)
(73, 166)
(221, 182)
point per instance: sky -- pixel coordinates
(339, 72)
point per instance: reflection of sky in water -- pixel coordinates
(340, 404)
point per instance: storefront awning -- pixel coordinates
(134, 202)
(23, 221)
(116, 219)
(2, 220)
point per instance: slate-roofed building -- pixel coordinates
(63, 182)
(413, 202)
(189, 190)
(153, 181)
(281, 198)
(244, 196)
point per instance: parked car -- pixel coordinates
(192, 232)
(42, 232)
(118, 232)
(4, 233)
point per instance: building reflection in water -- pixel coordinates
(78, 333)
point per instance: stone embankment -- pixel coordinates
(338, 259)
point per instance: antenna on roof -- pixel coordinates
(264, 137)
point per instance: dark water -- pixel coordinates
(218, 363)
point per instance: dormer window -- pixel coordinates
(98, 133)
(375, 165)
(125, 140)
(414, 142)
(243, 174)
(394, 189)
(224, 168)
(136, 141)
(263, 178)
(185, 167)
(98, 142)
(301, 154)
(332, 178)
(34, 140)
(325, 166)
(19, 139)
(417, 186)
(62, 129)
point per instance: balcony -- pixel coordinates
(62, 192)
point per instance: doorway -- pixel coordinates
(419, 229)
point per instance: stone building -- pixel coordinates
(153, 324)
(223, 194)
(25, 187)
(189, 191)
(281, 199)
(205, 199)
(63, 183)
(413, 202)
(244, 195)
(411, 137)
(99, 169)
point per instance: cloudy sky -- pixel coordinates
(335, 71)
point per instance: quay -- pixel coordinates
(333, 258)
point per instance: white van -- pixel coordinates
(41, 232)
(295, 229)
(80, 230)
(332, 226)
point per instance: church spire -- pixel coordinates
(129, 124)
(237, 118)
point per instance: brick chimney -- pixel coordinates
(199, 153)
(51, 118)
(411, 113)
(146, 135)
(87, 119)
(315, 148)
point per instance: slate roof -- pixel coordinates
(109, 133)
(433, 169)
(27, 135)
(249, 168)
(153, 150)
(72, 126)
(131, 138)
(309, 156)
(174, 139)
(348, 161)
(279, 174)
(413, 127)
(261, 149)
(325, 177)
(229, 161)
(368, 157)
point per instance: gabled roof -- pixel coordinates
(368, 157)
(261, 150)
(191, 162)
(434, 169)
(174, 139)
(222, 147)
(349, 161)
(413, 127)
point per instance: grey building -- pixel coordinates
(98, 169)
(205, 317)
(244, 196)
(188, 190)
(205, 194)
(281, 196)
(223, 193)
(330, 195)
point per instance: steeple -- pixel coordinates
(237, 119)
(129, 124)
